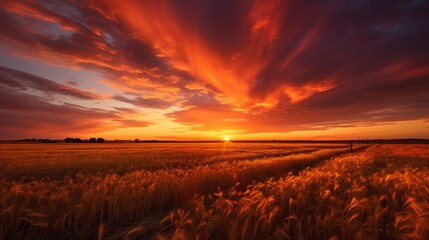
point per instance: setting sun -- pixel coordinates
(226, 139)
(147, 70)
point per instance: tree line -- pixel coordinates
(78, 140)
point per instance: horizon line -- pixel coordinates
(232, 140)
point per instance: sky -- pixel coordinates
(203, 70)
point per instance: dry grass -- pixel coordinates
(381, 193)
(225, 192)
(56, 161)
(89, 206)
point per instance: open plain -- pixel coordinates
(221, 190)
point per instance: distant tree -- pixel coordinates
(73, 140)
(137, 140)
(78, 140)
(27, 140)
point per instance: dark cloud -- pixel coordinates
(72, 83)
(246, 65)
(363, 105)
(80, 35)
(24, 81)
(24, 115)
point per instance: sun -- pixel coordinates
(226, 139)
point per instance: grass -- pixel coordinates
(238, 191)
(56, 161)
(381, 193)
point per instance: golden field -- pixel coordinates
(213, 191)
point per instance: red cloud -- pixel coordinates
(245, 65)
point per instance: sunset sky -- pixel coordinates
(209, 69)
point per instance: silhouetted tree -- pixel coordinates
(78, 140)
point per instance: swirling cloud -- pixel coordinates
(244, 66)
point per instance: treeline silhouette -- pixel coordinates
(78, 140)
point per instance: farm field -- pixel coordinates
(222, 190)
(214, 120)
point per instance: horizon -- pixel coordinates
(210, 70)
(357, 140)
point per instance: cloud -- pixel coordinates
(250, 66)
(144, 102)
(78, 36)
(204, 112)
(24, 81)
(365, 105)
(24, 115)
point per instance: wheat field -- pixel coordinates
(213, 191)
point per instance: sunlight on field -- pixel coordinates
(207, 191)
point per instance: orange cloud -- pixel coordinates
(247, 66)
(29, 9)
(233, 72)
(298, 94)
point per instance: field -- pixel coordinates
(213, 191)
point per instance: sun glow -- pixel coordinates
(226, 139)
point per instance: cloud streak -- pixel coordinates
(24, 113)
(245, 66)
(24, 81)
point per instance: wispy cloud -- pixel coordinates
(249, 66)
